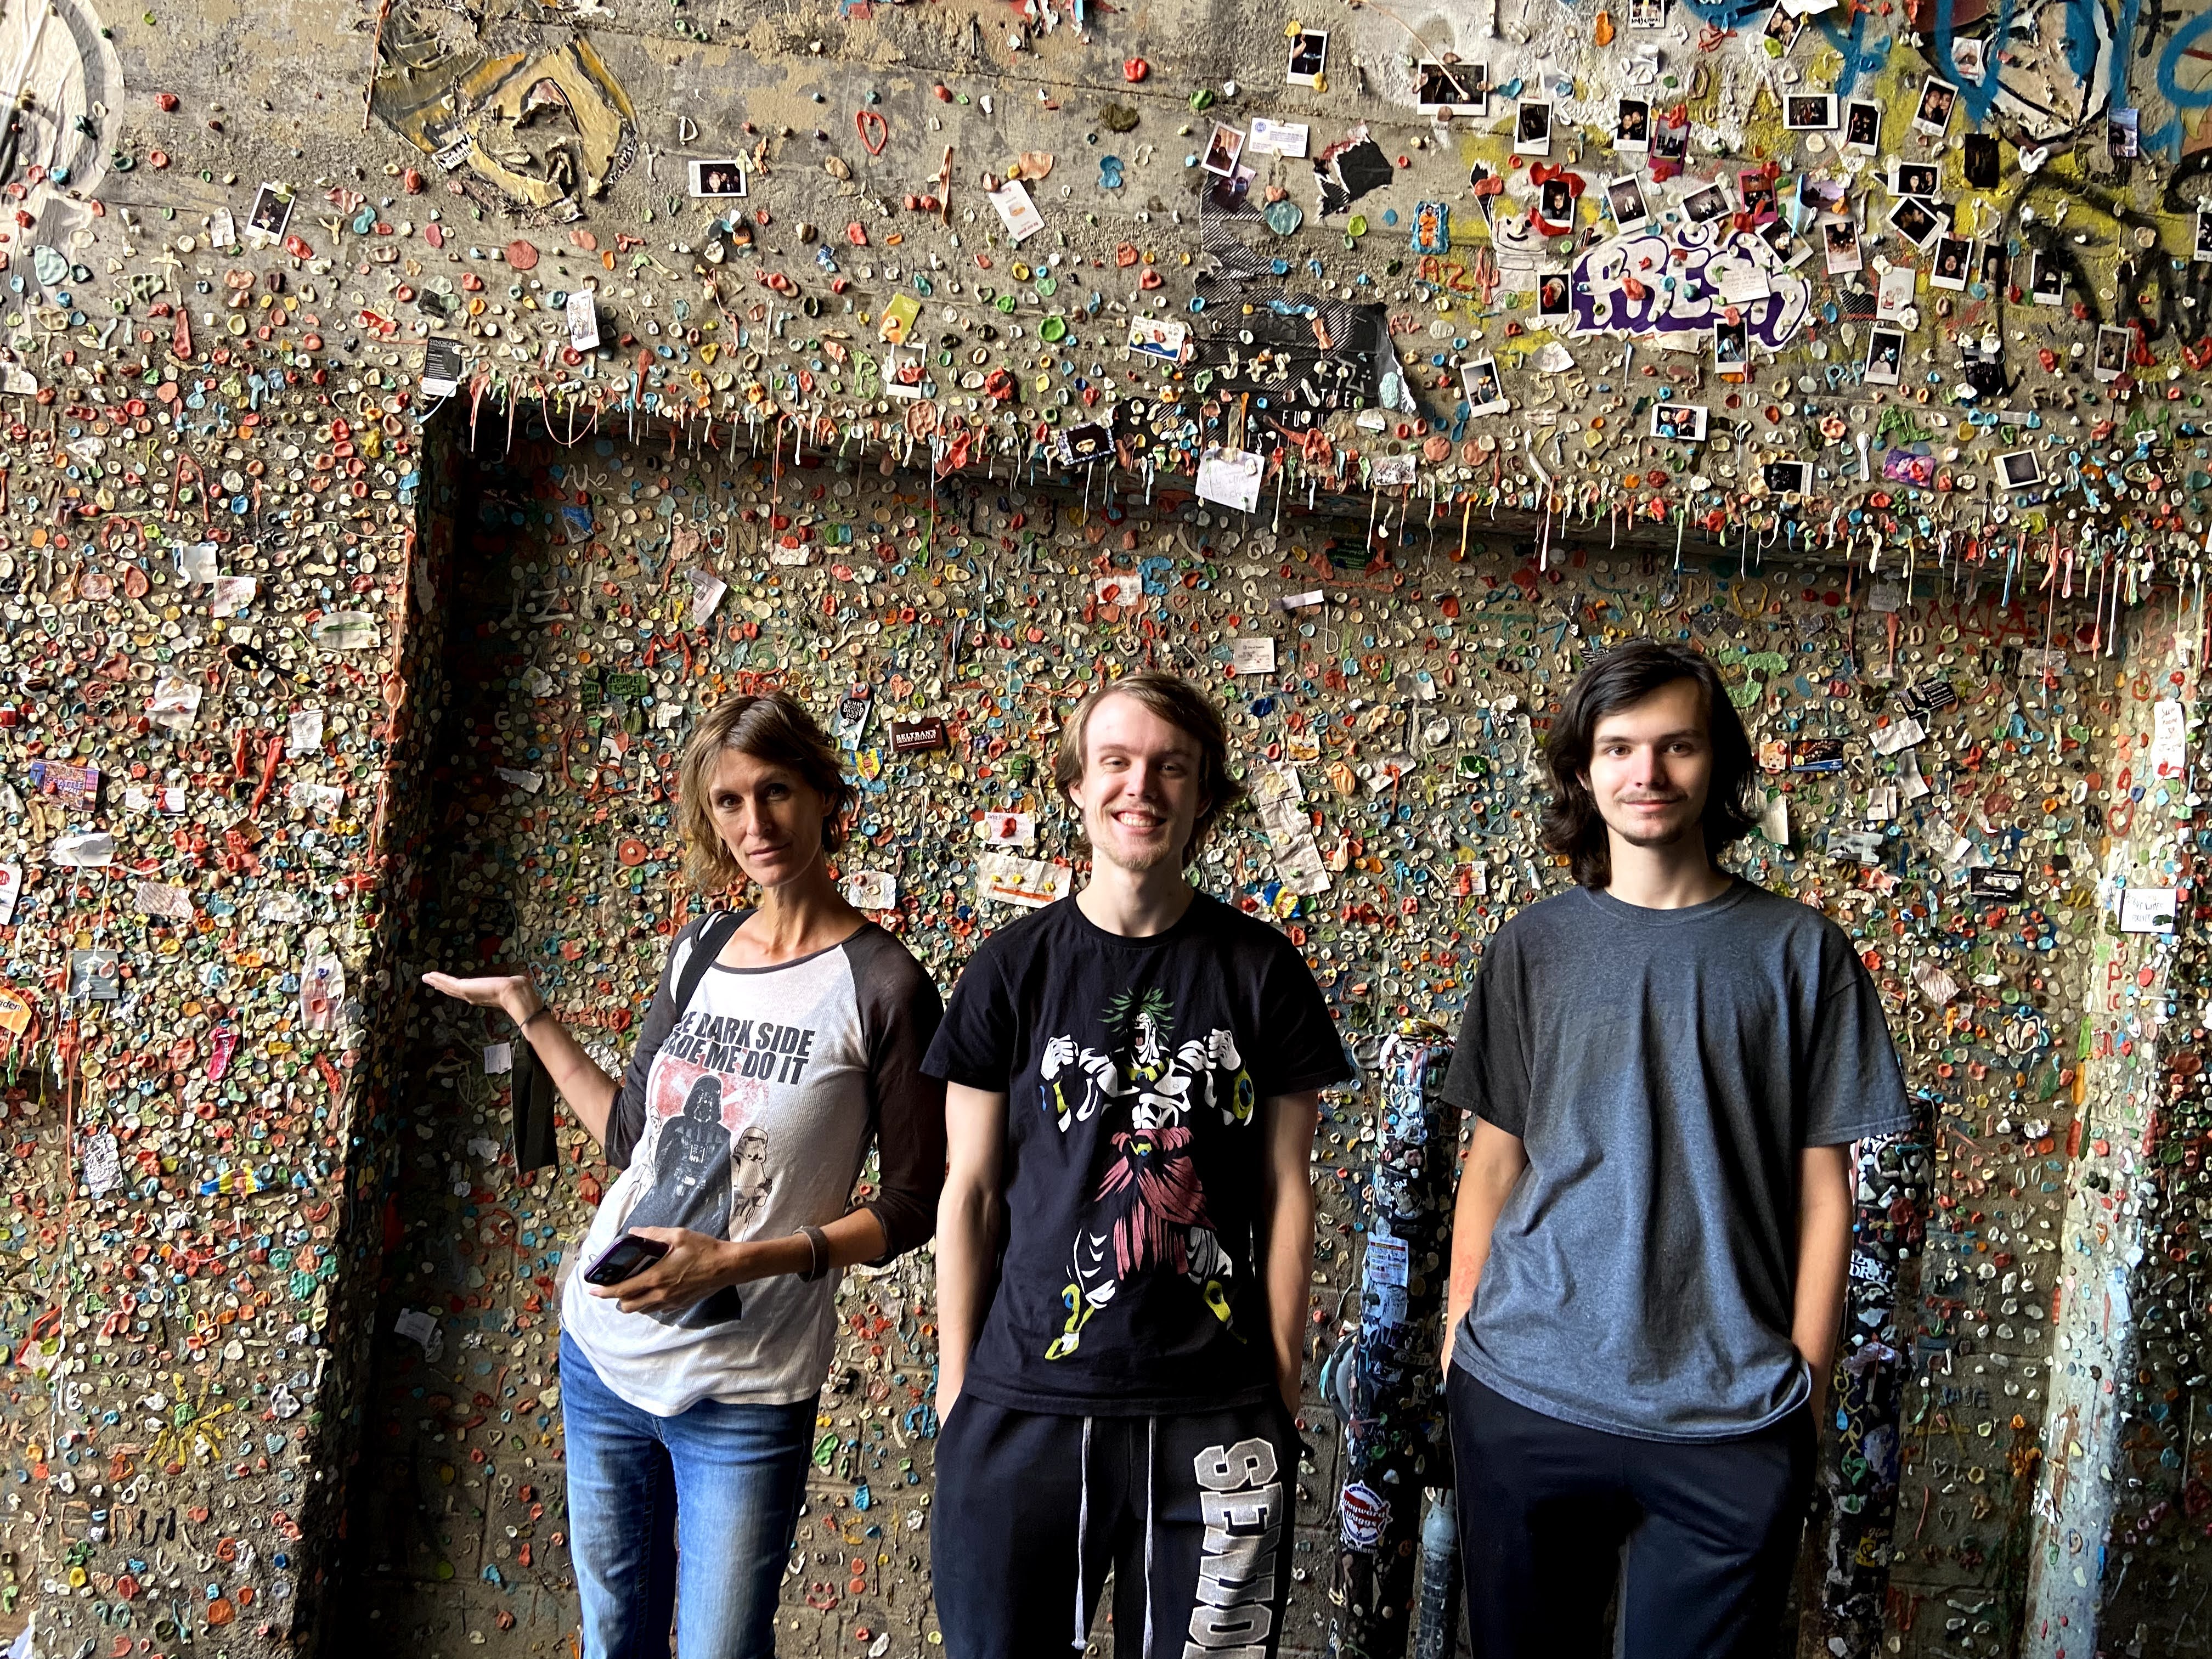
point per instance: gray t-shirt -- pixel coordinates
(1663, 1069)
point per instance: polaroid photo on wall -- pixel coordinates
(1893, 295)
(1818, 199)
(1913, 178)
(2113, 346)
(1631, 124)
(1705, 201)
(581, 314)
(1731, 346)
(2124, 134)
(1681, 423)
(1917, 221)
(1977, 160)
(1782, 27)
(1756, 191)
(1486, 390)
(1231, 194)
(724, 178)
(1993, 265)
(1791, 249)
(1555, 201)
(1786, 477)
(1954, 258)
(1647, 14)
(272, 211)
(1669, 143)
(2018, 469)
(1452, 88)
(1937, 100)
(2200, 246)
(1839, 239)
(441, 366)
(1809, 112)
(1884, 358)
(1308, 58)
(1532, 127)
(2048, 285)
(1553, 301)
(1862, 127)
(904, 371)
(1223, 149)
(1625, 195)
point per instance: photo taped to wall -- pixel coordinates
(1452, 88)
(1532, 128)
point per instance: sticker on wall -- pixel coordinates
(1030, 883)
(1364, 1513)
(2148, 910)
(871, 890)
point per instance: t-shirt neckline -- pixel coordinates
(789, 962)
(1184, 925)
(1645, 915)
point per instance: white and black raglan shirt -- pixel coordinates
(748, 1115)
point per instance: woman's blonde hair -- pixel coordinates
(774, 728)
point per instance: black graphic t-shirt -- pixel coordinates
(1132, 1070)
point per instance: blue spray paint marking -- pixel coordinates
(1975, 97)
(1858, 58)
(2082, 43)
(2167, 138)
(1728, 14)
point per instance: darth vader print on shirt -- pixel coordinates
(711, 1164)
(1148, 1210)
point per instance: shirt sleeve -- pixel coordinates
(1301, 1049)
(900, 1015)
(1489, 1071)
(974, 1045)
(626, 1119)
(1853, 1085)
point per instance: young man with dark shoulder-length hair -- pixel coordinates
(1668, 1065)
(1126, 1232)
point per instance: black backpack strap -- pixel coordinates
(706, 945)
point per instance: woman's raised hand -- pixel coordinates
(513, 993)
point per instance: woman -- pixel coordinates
(689, 1387)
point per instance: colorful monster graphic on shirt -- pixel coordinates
(1149, 1209)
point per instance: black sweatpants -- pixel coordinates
(1545, 1506)
(1192, 1512)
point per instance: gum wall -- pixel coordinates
(411, 414)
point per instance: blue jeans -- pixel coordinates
(691, 1515)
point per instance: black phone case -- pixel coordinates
(592, 1276)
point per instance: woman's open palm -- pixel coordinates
(486, 991)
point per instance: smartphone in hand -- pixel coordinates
(627, 1257)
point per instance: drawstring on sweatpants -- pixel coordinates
(1152, 1429)
(1081, 1522)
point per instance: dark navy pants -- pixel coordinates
(1710, 1530)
